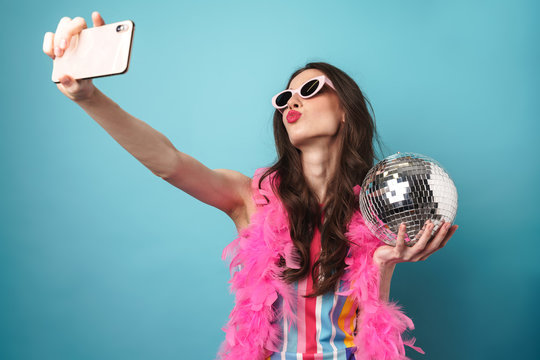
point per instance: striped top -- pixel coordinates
(325, 326)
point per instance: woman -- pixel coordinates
(310, 280)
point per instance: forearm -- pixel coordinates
(385, 278)
(146, 144)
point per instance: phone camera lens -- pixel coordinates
(119, 28)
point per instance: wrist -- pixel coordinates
(89, 97)
(381, 264)
(385, 278)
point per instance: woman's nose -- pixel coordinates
(294, 101)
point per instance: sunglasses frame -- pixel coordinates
(322, 80)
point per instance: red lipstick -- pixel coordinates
(293, 115)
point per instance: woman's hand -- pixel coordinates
(387, 255)
(54, 46)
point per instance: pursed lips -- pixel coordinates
(293, 116)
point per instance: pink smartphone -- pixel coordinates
(96, 52)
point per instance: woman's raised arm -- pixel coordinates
(226, 190)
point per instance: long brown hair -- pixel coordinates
(300, 201)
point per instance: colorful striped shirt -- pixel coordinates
(325, 326)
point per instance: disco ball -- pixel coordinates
(409, 188)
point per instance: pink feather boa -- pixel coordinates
(253, 332)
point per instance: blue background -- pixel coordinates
(101, 259)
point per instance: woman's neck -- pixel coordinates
(319, 165)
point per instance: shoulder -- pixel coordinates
(263, 187)
(253, 196)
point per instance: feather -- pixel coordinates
(252, 331)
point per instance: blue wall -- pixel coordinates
(100, 259)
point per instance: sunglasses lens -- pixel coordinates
(309, 88)
(282, 99)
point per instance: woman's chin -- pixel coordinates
(304, 140)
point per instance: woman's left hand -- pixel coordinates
(387, 255)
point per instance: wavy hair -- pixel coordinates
(303, 209)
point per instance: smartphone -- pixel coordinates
(97, 52)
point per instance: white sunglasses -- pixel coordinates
(308, 89)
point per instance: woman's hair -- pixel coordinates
(300, 201)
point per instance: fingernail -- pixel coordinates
(63, 43)
(57, 51)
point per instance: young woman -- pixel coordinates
(311, 281)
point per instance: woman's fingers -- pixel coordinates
(48, 44)
(65, 31)
(426, 245)
(55, 44)
(439, 237)
(442, 236)
(436, 246)
(59, 33)
(97, 19)
(449, 235)
(400, 241)
(425, 235)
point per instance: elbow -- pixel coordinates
(170, 168)
(158, 174)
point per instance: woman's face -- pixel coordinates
(321, 115)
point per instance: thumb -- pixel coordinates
(66, 80)
(97, 19)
